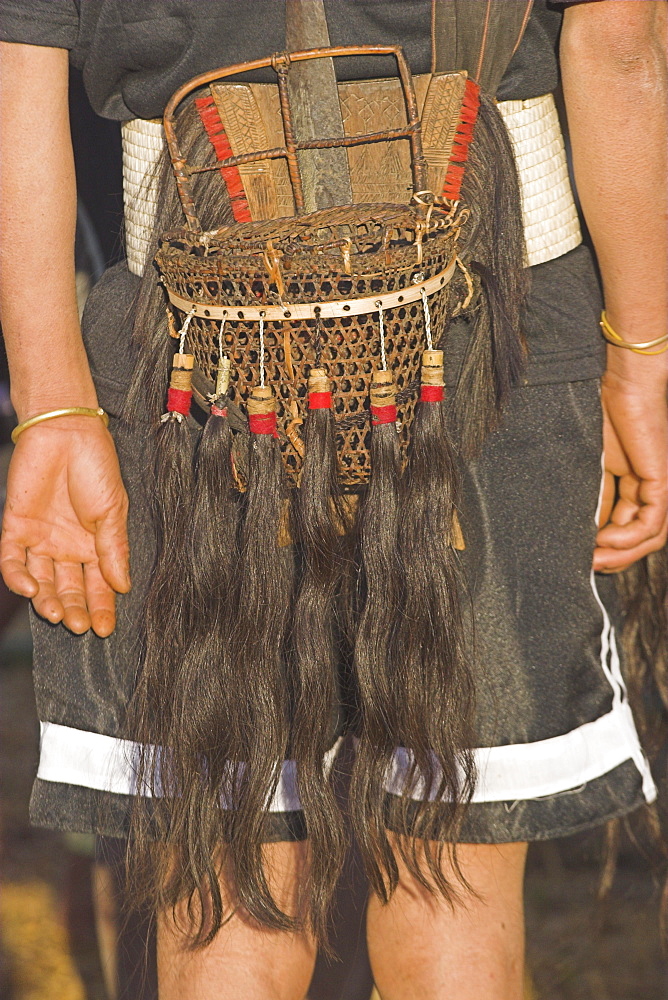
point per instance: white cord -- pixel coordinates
(381, 323)
(262, 350)
(184, 329)
(427, 318)
(220, 339)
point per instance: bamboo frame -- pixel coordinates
(280, 62)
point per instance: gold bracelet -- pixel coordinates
(68, 411)
(613, 338)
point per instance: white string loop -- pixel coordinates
(220, 338)
(184, 330)
(427, 319)
(262, 350)
(381, 323)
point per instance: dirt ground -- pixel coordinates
(577, 949)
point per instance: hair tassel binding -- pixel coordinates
(383, 399)
(432, 385)
(179, 394)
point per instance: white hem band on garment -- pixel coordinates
(506, 773)
(522, 771)
(551, 226)
(107, 764)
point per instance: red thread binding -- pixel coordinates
(431, 393)
(216, 411)
(319, 400)
(208, 112)
(383, 414)
(262, 423)
(460, 147)
(178, 401)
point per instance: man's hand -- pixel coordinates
(613, 62)
(634, 513)
(64, 541)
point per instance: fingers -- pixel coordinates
(14, 570)
(69, 584)
(608, 560)
(101, 601)
(111, 544)
(77, 596)
(45, 602)
(640, 537)
(637, 517)
(631, 527)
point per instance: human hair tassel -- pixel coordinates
(321, 523)
(380, 585)
(174, 450)
(428, 642)
(204, 688)
(496, 351)
(166, 636)
(214, 546)
(261, 717)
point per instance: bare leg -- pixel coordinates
(421, 948)
(105, 903)
(244, 961)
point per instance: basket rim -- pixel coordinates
(254, 234)
(324, 309)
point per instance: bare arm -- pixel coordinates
(64, 542)
(613, 55)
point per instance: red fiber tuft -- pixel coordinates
(178, 401)
(208, 113)
(216, 411)
(463, 136)
(319, 400)
(263, 423)
(383, 415)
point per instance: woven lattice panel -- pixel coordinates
(231, 268)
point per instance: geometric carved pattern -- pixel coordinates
(379, 172)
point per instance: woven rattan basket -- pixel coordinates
(342, 258)
(349, 288)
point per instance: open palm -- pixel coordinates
(64, 541)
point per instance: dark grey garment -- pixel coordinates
(528, 516)
(528, 510)
(135, 54)
(613, 795)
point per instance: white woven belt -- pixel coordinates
(551, 226)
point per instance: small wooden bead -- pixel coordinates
(432, 368)
(186, 361)
(223, 378)
(260, 401)
(318, 381)
(171, 325)
(383, 390)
